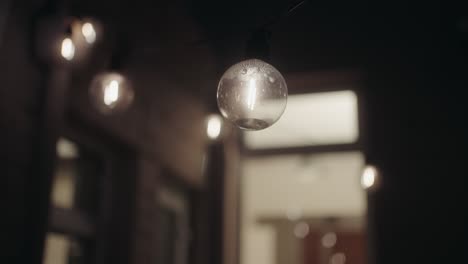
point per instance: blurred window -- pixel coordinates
(301, 204)
(64, 249)
(173, 225)
(74, 205)
(310, 120)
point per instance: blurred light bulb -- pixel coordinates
(301, 229)
(338, 258)
(293, 213)
(329, 240)
(213, 127)
(67, 49)
(369, 176)
(252, 94)
(89, 33)
(111, 92)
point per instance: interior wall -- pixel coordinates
(295, 187)
(20, 110)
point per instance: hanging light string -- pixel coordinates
(293, 7)
(258, 46)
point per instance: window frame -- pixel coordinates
(99, 228)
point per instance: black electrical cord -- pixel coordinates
(264, 27)
(258, 45)
(293, 7)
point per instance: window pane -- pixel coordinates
(64, 249)
(311, 119)
(173, 225)
(77, 178)
(287, 198)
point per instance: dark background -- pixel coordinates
(412, 56)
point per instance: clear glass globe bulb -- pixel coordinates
(111, 92)
(252, 94)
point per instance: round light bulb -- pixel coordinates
(301, 230)
(369, 176)
(213, 126)
(111, 92)
(338, 258)
(329, 240)
(252, 94)
(67, 49)
(89, 32)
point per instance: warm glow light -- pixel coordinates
(252, 94)
(301, 230)
(89, 33)
(67, 49)
(213, 127)
(369, 176)
(111, 93)
(338, 258)
(329, 240)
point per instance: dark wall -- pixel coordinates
(417, 133)
(20, 111)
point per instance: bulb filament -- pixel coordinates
(252, 94)
(67, 49)
(111, 93)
